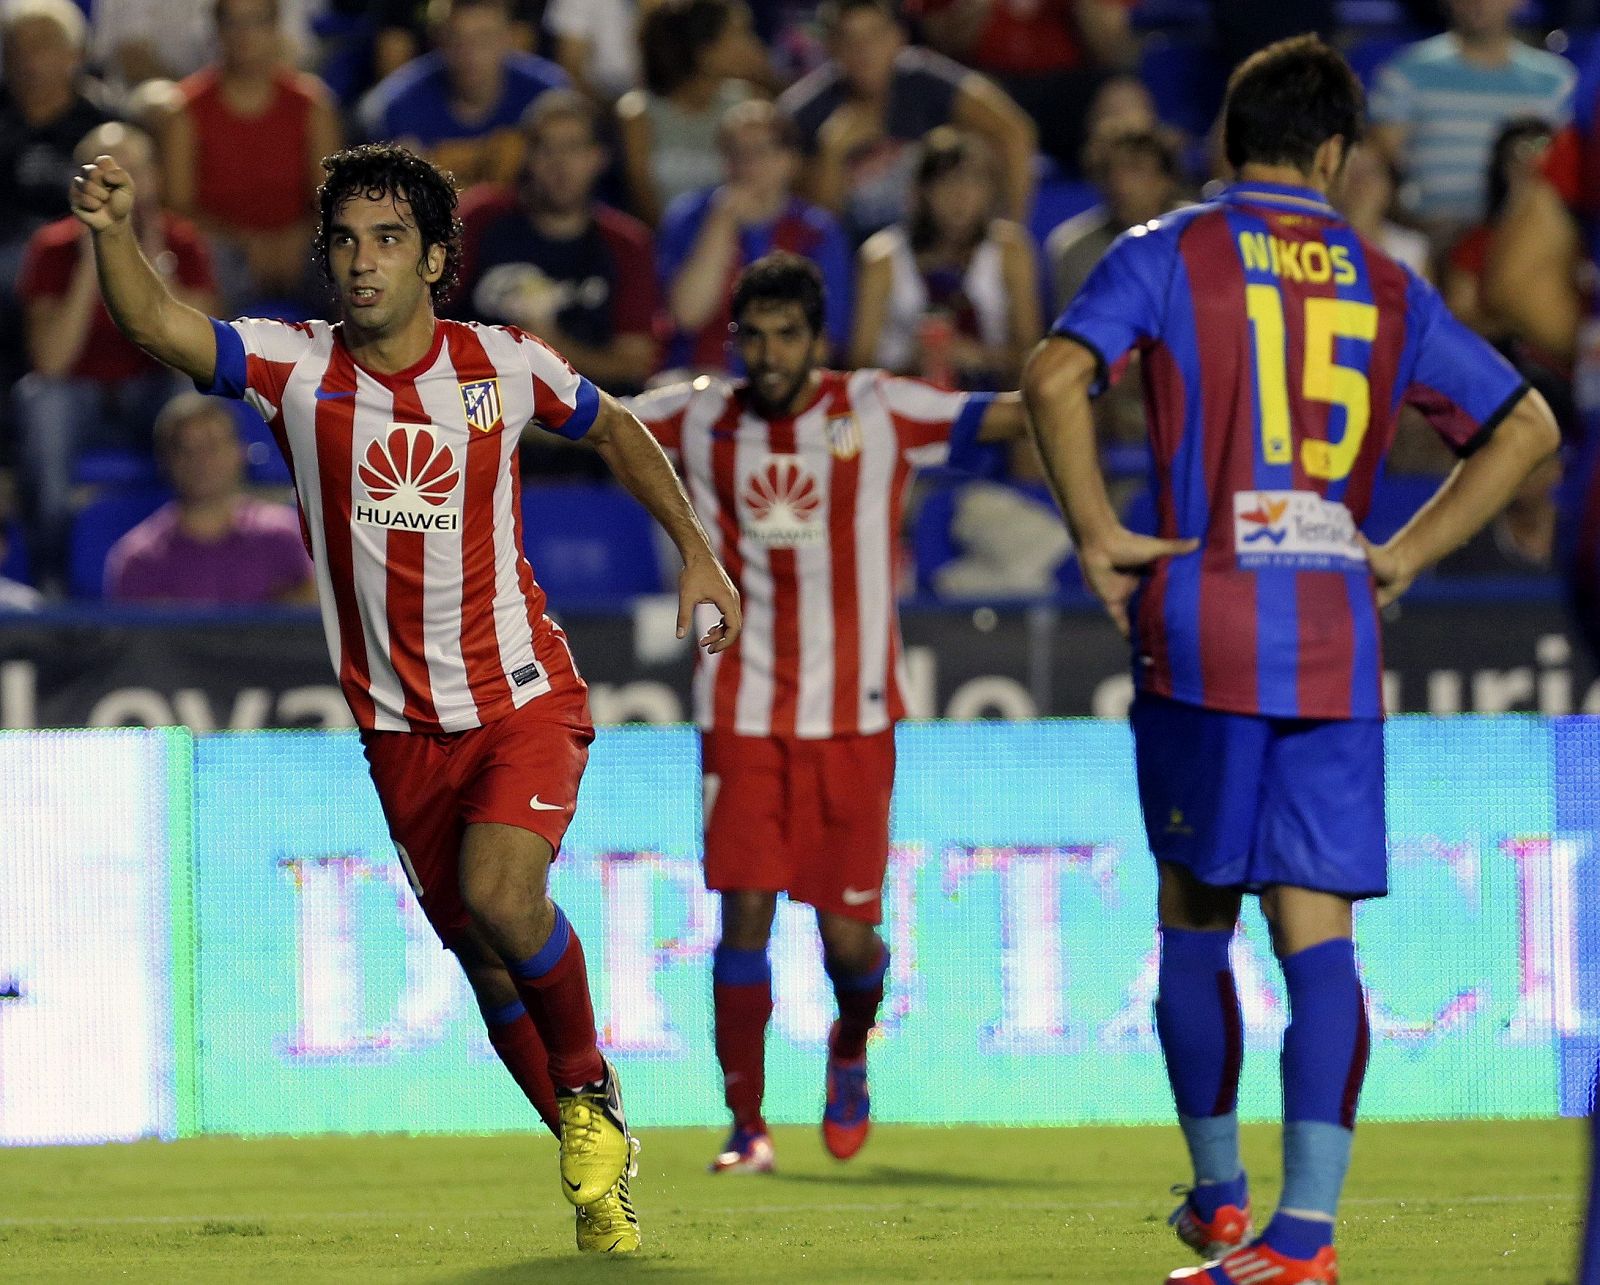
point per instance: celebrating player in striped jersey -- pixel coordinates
(402, 432)
(800, 476)
(1277, 349)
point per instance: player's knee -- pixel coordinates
(747, 919)
(849, 944)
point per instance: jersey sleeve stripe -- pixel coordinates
(230, 376)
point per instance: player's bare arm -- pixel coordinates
(139, 302)
(1478, 488)
(1055, 389)
(636, 460)
(1532, 275)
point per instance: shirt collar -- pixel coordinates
(1291, 196)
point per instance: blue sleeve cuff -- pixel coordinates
(230, 378)
(966, 452)
(585, 408)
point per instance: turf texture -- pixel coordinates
(1427, 1203)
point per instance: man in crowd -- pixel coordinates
(546, 256)
(707, 237)
(862, 112)
(1437, 107)
(87, 384)
(461, 105)
(212, 543)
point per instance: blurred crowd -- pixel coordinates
(955, 168)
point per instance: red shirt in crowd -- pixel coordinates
(51, 259)
(252, 171)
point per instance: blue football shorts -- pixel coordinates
(1248, 801)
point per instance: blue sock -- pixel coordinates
(1324, 1061)
(730, 967)
(1201, 1029)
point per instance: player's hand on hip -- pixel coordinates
(1114, 564)
(704, 581)
(1391, 575)
(101, 194)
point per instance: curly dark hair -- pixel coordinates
(379, 170)
(781, 277)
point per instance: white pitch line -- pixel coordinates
(1553, 1199)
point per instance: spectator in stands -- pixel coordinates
(1367, 198)
(403, 29)
(243, 155)
(47, 105)
(1051, 56)
(1437, 105)
(133, 41)
(1137, 176)
(708, 236)
(1137, 173)
(546, 256)
(862, 113)
(462, 104)
(701, 57)
(14, 595)
(212, 543)
(597, 44)
(952, 294)
(1513, 164)
(87, 384)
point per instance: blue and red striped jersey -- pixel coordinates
(1277, 349)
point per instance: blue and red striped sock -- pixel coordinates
(741, 991)
(859, 996)
(554, 986)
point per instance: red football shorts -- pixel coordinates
(809, 818)
(521, 770)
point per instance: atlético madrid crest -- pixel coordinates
(844, 436)
(481, 402)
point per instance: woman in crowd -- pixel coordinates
(952, 293)
(243, 154)
(700, 58)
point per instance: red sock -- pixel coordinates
(554, 986)
(859, 996)
(514, 1037)
(741, 1016)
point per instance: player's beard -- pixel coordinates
(779, 406)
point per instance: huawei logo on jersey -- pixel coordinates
(781, 501)
(408, 475)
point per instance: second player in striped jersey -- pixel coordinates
(800, 476)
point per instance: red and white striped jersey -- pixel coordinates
(805, 513)
(410, 504)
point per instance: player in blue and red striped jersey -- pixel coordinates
(1276, 348)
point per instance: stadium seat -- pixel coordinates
(264, 463)
(114, 466)
(1367, 56)
(1057, 200)
(1186, 78)
(98, 526)
(588, 541)
(16, 565)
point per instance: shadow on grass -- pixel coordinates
(552, 1269)
(894, 1176)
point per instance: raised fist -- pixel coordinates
(101, 194)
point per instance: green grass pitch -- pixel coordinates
(1427, 1203)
